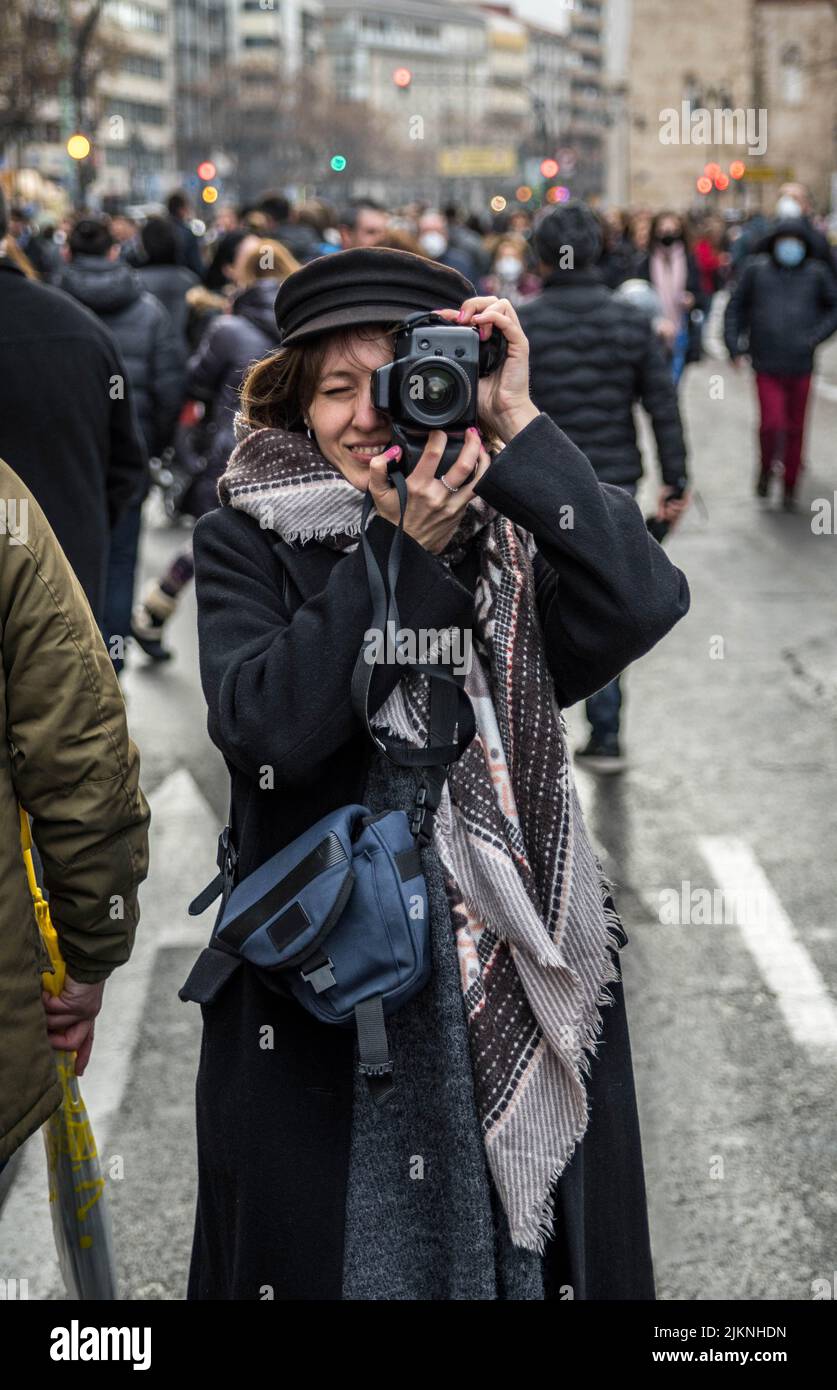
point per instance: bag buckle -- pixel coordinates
(321, 977)
(419, 812)
(376, 1068)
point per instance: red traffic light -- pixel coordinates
(704, 184)
(206, 170)
(402, 77)
(737, 169)
(549, 168)
(721, 182)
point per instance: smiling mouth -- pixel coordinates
(366, 451)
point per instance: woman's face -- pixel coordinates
(348, 429)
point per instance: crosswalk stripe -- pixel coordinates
(769, 934)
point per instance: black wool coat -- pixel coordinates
(75, 446)
(592, 356)
(279, 631)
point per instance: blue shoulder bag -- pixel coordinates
(339, 917)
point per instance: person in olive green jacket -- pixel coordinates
(67, 758)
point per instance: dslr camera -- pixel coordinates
(431, 384)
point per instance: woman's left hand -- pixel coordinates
(504, 401)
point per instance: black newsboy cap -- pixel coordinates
(368, 284)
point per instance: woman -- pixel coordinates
(214, 375)
(509, 276)
(671, 269)
(306, 1189)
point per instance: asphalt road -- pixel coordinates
(730, 731)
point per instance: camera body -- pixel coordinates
(431, 384)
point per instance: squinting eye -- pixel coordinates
(337, 391)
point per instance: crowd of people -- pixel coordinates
(616, 303)
(131, 352)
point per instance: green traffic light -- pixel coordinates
(338, 163)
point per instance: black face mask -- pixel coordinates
(669, 238)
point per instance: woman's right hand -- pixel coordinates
(433, 512)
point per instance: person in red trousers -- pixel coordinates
(784, 306)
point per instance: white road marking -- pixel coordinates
(826, 389)
(785, 965)
(182, 841)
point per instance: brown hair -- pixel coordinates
(270, 260)
(277, 391)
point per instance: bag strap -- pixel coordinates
(450, 708)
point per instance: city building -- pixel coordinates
(748, 83)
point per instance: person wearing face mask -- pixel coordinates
(434, 240)
(784, 306)
(509, 277)
(671, 268)
(794, 203)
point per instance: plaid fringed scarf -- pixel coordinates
(535, 925)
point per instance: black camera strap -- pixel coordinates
(451, 725)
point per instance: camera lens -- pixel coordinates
(439, 390)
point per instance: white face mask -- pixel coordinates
(508, 267)
(433, 243)
(788, 207)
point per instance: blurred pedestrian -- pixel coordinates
(188, 245)
(670, 267)
(784, 306)
(618, 257)
(593, 357)
(231, 344)
(508, 276)
(68, 425)
(434, 240)
(282, 225)
(155, 365)
(69, 761)
(362, 223)
(161, 274)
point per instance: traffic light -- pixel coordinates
(206, 170)
(78, 146)
(338, 163)
(402, 77)
(737, 169)
(549, 168)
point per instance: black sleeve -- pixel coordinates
(737, 315)
(167, 374)
(127, 475)
(207, 367)
(277, 686)
(827, 323)
(659, 397)
(606, 591)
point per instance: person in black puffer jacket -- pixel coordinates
(156, 264)
(784, 306)
(592, 357)
(230, 345)
(155, 365)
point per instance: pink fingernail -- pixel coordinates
(393, 452)
(460, 316)
(473, 430)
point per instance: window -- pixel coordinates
(791, 74)
(142, 65)
(139, 111)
